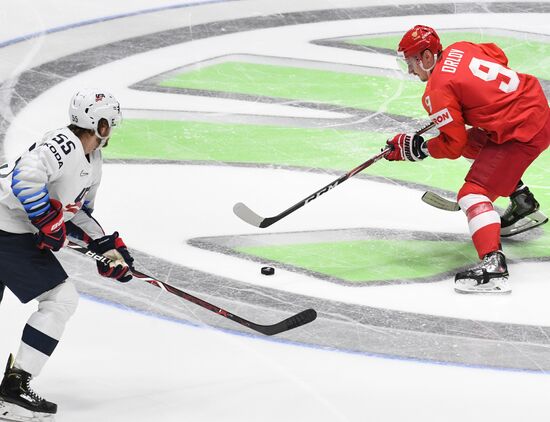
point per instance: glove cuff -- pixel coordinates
(424, 149)
(419, 150)
(53, 215)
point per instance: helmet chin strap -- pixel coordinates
(429, 71)
(102, 139)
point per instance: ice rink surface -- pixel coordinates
(393, 351)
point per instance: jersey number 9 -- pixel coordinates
(478, 66)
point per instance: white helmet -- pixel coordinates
(89, 106)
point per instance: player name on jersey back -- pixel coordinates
(452, 61)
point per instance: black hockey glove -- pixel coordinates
(113, 247)
(407, 147)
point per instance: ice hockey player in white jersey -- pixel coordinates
(49, 194)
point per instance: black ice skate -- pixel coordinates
(522, 214)
(15, 390)
(489, 276)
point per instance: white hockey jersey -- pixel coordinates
(56, 168)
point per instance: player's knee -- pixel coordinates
(70, 298)
(470, 188)
(62, 300)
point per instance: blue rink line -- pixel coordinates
(106, 302)
(105, 19)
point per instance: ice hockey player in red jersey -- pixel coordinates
(490, 114)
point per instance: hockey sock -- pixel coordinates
(483, 220)
(45, 327)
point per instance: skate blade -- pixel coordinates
(495, 286)
(12, 413)
(526, 223)
(484, 292)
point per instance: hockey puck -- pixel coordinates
(268, 270)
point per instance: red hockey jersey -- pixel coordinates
(471, 84)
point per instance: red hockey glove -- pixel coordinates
(113, 247)
(51, 228)
(407, 147)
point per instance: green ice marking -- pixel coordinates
(379, 260)
(311, 148)
(182, 140)
(374, 93)
(335, 150)
(371, 260)
(524, 55)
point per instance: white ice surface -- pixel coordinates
(116, 365)
(205, 196)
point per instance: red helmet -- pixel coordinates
(418, 39)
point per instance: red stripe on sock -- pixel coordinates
(478, 208)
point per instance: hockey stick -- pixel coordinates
(6, 165)
(294, 321)
(436, 200)
(246, 214)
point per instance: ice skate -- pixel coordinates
(489, 276)
(12, 413)
(522, 214)
(18, 402)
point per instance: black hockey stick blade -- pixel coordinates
(294, 321)
(437, 201)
